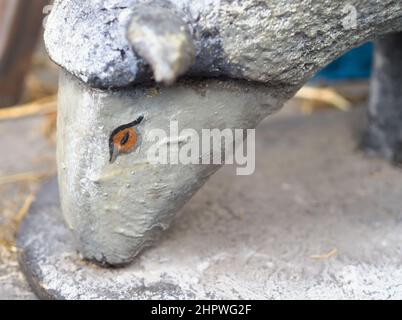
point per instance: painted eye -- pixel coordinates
(124, 139)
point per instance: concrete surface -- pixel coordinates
(263, 236)
(23, 150)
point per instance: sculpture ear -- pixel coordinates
(162, 39)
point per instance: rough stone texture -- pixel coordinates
(13, 285)
(384, 134)
(253, 237)
(271, 41)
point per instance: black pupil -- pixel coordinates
(124, 140)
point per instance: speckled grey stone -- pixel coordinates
(271, 41)
(252, 236)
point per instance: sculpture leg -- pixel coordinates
(384, 134)
(115, 208)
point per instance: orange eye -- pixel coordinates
(123, 139)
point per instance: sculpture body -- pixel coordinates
(244, 58)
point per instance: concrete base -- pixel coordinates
(263, 236)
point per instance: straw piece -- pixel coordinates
(26, 176)
(325, 95)
(41, 106)
(326, 255)
(24, 209)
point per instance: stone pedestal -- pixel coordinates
(317, 220)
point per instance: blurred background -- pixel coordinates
(28, 88)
